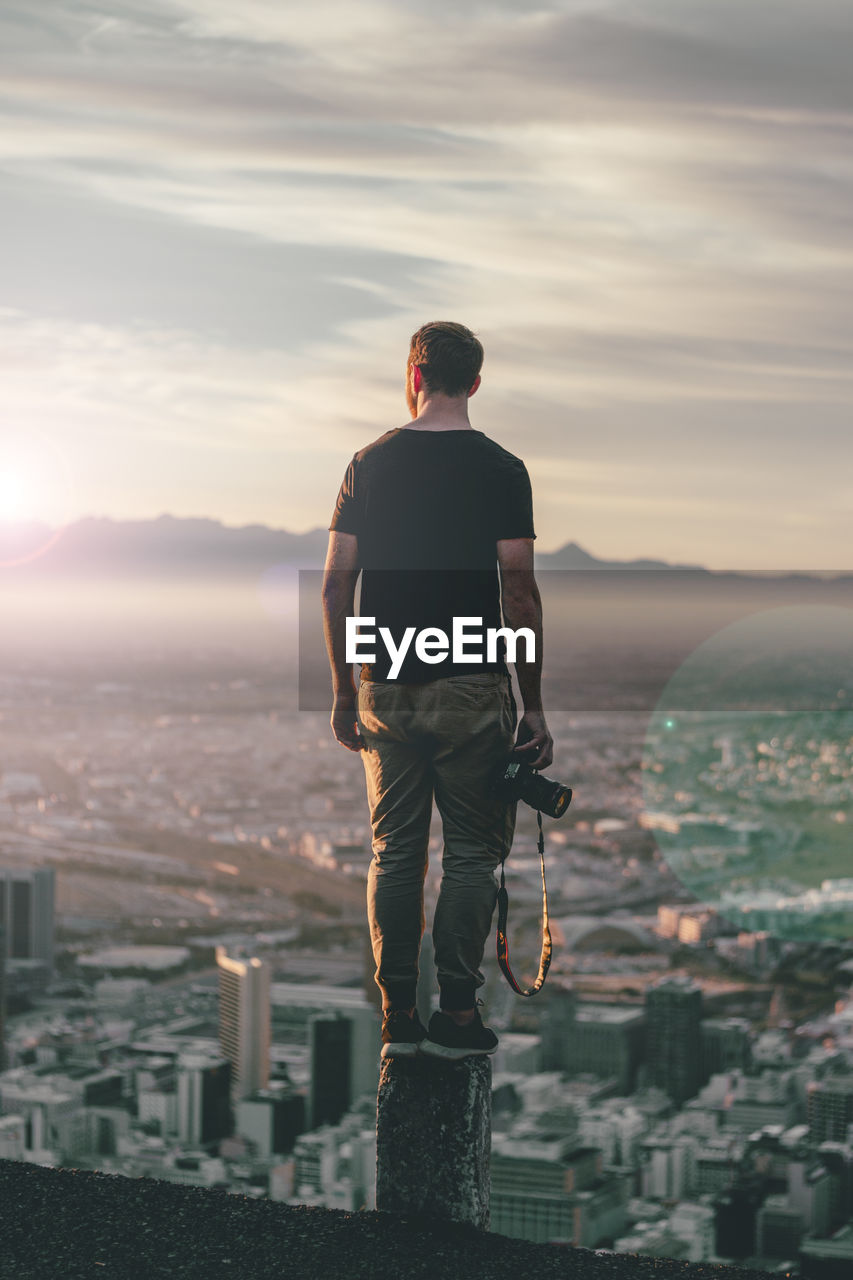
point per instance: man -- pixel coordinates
(428, 513)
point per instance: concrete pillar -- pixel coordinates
(433, 1138)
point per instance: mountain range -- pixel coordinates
(176, 547)
(171, 545)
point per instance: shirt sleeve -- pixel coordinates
(515, 512)
(346, 518)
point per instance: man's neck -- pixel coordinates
(441, 413)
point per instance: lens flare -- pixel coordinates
(36, 479)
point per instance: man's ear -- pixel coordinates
(417, 378)
(475, 386)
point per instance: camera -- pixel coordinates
(517, 781)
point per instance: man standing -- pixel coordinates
(428, 514)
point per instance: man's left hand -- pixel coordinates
(345, 723)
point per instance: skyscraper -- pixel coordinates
(203, 1098)
(330, 1043)
(673, 1037)
(26, 913)
(830, 1109)
(244, 1021)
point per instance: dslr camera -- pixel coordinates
(517, 781)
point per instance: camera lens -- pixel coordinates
(545, 794)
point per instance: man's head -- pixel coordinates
(449, 358)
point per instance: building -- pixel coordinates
(726, 1045)
(47, 1107)
(557, 1025)
(838, 1160)
(615, 1127)
(204, 1091)
(753, 1102)
(331, 1054)
(12, 1137)
(244, 1021)
(736, 1212)
(810, 1193)
(667, 1167)
(26, 913)
(715, 1166)
(778, 1229)
(688, 1234)
(828, 1259)
(830, 1109)
(606, 1041)
(272, 1120)
(550, 1189)
(296, 1004)
(600, 1040)
(673, 1037)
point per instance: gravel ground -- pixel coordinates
(70, 1223)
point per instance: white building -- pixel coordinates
(244, 1021)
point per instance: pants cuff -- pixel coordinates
(398, 995)
(457, 995)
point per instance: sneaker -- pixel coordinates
(447, 1039)
(401, 1034)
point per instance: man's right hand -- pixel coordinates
(533, 741)
(345, 723)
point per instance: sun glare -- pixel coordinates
(17, 493)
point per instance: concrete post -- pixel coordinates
(433, 1138)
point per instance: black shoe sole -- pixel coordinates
(453, 1053)
(400, 1049)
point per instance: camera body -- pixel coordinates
(517, 781)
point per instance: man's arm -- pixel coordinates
(522, 607)
(339, 579)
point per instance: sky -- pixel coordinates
(222, 222)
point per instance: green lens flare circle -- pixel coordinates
(747, 773)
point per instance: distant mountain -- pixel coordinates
(193, 547)
(572, 556)
(169, 546)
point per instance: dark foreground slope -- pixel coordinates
(67, 1223)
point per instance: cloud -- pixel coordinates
(643, 208)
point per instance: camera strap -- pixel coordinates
(503, 911)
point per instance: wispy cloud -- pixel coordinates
(226, 220)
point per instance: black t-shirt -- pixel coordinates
(427, 508)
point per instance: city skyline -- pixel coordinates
(222, 228)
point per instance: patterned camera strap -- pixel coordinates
(503, 911)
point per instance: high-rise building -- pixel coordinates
(830, 1108)
(607, 1041)
(330, 1039)
(726, 1045)
(673, 1037)
(26, 913)
(736, 1213)
(295, 1004)
(837, 1158)
(244, 1021)
(204, 1087)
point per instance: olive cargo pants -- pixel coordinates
(446, 738)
